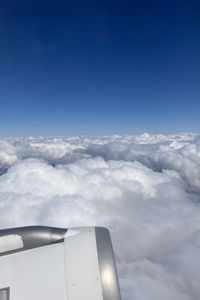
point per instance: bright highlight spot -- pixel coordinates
(107, 276)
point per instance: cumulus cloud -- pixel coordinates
(145, 189)
(7, 154)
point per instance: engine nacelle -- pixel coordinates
(40, 263)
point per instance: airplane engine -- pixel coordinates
(39, 262)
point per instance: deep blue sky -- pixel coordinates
(99, 67)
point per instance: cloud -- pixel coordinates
(145, 189)
(7, 154)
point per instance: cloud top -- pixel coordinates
(145, 189)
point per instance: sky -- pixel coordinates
(99, 67)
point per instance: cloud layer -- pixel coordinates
(145, 189)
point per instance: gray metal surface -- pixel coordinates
(5, 293)
(35, 236)
(108, 272)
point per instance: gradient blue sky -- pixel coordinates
(99, 67)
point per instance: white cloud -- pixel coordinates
(7, 154)
(146, 189)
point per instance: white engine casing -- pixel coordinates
(76, 264)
